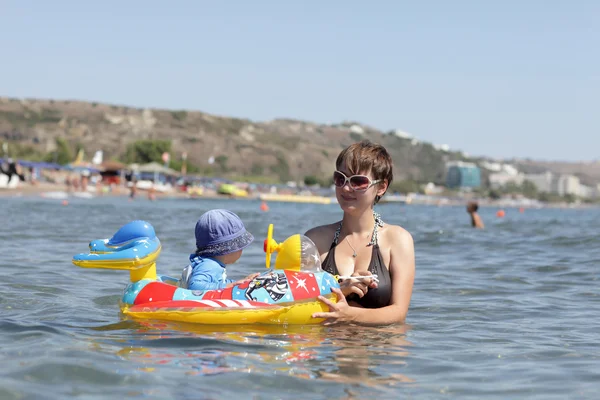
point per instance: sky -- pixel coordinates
(491, 78)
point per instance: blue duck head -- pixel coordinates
(131, 231)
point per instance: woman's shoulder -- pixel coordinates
(397, 235)
(322, 235)
(322, 230)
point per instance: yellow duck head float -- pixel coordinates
(296, 253)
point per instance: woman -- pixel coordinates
(361, 245)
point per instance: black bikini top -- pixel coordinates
(375, 298)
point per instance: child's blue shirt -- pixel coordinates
(207, 274)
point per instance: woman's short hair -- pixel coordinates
(364, 157)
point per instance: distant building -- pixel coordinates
(500, 168)
(586, 192)
(502, 179)
(562, 185)
(462, 175)
(510, 169)
(567, 184)
(442, 147)
(401, 134)
(543, 181)
(492, 166)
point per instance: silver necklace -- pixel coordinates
(378, 223)
(352, 247)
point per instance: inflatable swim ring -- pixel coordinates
(286, 294)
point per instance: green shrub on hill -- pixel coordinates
(145, 151)
(62, 155)
(180, 115)
(22, 151)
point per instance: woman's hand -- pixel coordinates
(358, 286)
(339, 312)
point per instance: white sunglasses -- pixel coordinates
(358, 183)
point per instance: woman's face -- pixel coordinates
(356, 201)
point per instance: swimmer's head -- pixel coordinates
(472, 207)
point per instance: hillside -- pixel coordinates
(283, 149)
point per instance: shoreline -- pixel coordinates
(58, 192)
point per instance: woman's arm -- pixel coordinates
(402, 271)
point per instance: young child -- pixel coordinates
(220, 239)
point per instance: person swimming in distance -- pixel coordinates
(476, 221)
